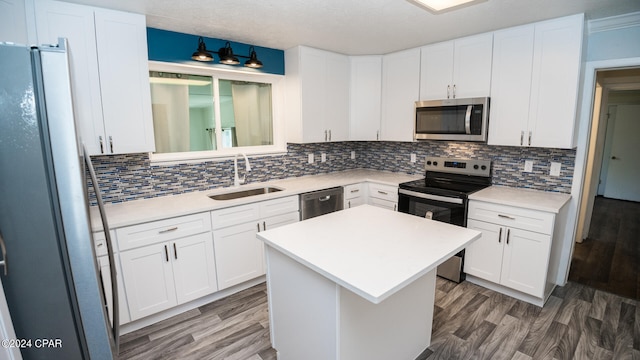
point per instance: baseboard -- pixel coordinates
(508, 291)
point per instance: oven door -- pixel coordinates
(452, 210)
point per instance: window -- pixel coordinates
(200, 113)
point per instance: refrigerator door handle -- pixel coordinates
(112, 264)
(3, 263)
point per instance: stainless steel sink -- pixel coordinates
(244, 193)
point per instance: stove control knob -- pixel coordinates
(429, 162)
(435, 163)
(475, 167)
(484, 167)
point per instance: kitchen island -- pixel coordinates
(356, 284)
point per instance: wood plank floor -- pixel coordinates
(609, 259)
(470, 322)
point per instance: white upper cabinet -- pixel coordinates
(317, 95)
(456, 69)
(365, 96)
(400, 89)
(13, 25)
(110, 75)
(534, 87)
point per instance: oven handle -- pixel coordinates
(431, 197)
(467, 120)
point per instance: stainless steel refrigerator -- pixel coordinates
(50, 275)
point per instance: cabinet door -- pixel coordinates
(313, 67)
(336, 103)
(365, 96)
(526, 257)
(472, 66)
(400, 88)
(280, 220)
(357, 201)
(511, 86)
(148, 280)
(239, 254)
(483, 258)
(194, 267)
(124, 81)
(75, 22)
(436, 71)
(555, 74)
(105, 275)
(385, 204)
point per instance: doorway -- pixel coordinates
(607, 253)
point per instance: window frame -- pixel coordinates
(279, 145)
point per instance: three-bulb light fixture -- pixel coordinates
(226, 55)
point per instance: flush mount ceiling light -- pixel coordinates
(441, 6)
(226, 55)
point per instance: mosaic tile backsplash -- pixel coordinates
(132, 176)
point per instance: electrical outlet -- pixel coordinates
(323, 157)
(353, 155)
(554, 169)
(528, 165)
(311, 159)
(413, 158)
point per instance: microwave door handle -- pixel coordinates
(467, 120)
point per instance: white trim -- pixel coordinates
(613, 22)
(585, 116)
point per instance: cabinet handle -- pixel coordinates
(329, 135)
(111, 143)
(506, 217)
(325, 135)
(264, 225)
(454, 91)
(166, 253)
(101, 144)
(168, 230)
(500, 236)
(355, 191)
(521, 137)
(378, 135)
(382, 192)
(258, 225)
(508, 233)
(395, 207)
(448, 89)
(529, 138)
(175, 251)
(349, 204)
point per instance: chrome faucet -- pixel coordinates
(236, 178)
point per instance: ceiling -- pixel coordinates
(352, 27)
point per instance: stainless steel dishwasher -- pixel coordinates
(321, 202)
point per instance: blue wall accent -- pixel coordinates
(170, 46)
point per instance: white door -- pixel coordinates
(483, 258)
(623, 172)
(239, 254)
(148, 280)
(6, 330)
(194, 267)
(524, 266)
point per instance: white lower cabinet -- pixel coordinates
(384, 196)
(163, 275)
(354, 195)
(514, 249)
(239, 254)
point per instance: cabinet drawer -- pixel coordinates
(235, 215)
(383, 192)
(353, 191)
(100, 242)
(520, 218)
(279, 206)
(157, 231)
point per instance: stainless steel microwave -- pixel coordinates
(452, 119)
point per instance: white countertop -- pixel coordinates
(524, 198)
(371, 251)
(140, 211)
